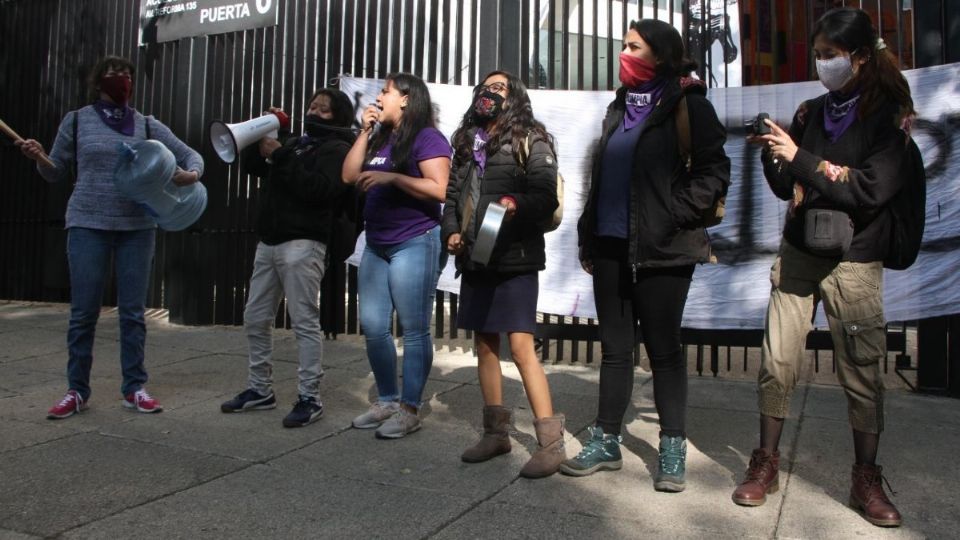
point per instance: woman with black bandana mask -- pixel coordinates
(299, 195)
(642, 234)
(503, 155)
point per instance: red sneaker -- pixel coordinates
(70, 405)
(142, 402)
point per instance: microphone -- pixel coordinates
(375, 129)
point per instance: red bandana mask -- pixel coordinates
(117, 87)
(635, 71)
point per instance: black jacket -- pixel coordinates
(302, 191)
(519, 246)
(666, 201)
(866, 175)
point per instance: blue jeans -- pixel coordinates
(401, 277)
(89, 252)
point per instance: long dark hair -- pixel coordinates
(417, 115)
(879, 78)
(667, 45)
(516, 119)
(100, 69)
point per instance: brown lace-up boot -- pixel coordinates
(762, 477)
(867, 496)
(551, 453)
(495, 439)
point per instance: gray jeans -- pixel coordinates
(852, 296)
(293, 269)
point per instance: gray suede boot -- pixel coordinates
(547, 459)
(495, 440)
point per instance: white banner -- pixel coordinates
(734, 293)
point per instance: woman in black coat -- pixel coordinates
(641, 234)
(503, 155)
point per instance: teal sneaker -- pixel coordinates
(672, 465)
(601, 452)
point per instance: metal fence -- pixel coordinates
(201, 275)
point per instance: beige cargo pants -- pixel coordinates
(852, 295)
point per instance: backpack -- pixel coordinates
(714, 215)
(550, 224)
(907, 210)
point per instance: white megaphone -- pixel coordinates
(229, 139)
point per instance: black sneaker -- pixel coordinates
(305, 411)
(249, 400)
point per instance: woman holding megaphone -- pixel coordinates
(403, 167)
(300, 196)
(103, 224)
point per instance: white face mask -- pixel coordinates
(835, 73)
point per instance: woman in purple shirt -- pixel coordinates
(402, 163)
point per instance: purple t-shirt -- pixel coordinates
(392, 215)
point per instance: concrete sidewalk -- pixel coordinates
(193, 472)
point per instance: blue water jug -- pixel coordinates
(144, 174)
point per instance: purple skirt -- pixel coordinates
(494, 303)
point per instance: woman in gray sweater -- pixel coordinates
(101, 223)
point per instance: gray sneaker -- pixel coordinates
(376, 415)
(401, 424)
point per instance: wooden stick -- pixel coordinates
(13, 135)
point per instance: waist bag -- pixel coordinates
(827, 233)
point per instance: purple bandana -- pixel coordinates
(640, 102)
(480, 150)
(839, 112)
(119, 119)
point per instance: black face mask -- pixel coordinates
(487, 106)
(315, 126)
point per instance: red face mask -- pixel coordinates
(635, 71)
(117, 87)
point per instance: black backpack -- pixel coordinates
(907, 211)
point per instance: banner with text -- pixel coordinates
(734, 293)
(168, 20)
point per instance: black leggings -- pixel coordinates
(655, 300)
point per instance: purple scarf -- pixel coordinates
(640, 102)
(480, 150)
(118, 118)
(839, 112)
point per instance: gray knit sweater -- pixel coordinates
(96, 203)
